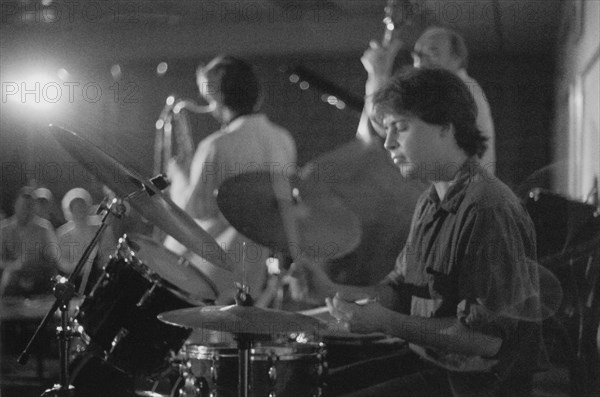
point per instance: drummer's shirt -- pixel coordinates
(471, 256)
(250, 143)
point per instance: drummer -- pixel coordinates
(464, 291)
(246, 140)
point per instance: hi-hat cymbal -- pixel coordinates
(326, 228)
(241, 320)
(149, 202)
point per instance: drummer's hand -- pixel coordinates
(378, 61)
(365, 318)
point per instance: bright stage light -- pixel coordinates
(116, 72)
(63, 74)
(38, 90)
(38, 96)
(161, 69)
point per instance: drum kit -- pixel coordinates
(139, 314)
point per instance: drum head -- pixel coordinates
(176, 270)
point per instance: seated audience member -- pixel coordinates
(29, 250)
(44, 206)
(75, 235)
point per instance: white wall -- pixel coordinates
(577, 118)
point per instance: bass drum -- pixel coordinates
(93, 377)
(118, 319)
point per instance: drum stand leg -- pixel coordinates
(244, 346)
(63, 291)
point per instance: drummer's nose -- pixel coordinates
(391, 140)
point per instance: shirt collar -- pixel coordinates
(468, 172)
(238, 121)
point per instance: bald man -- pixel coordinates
(437, 47)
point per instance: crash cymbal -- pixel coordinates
(326, 228)
(173, 268)
(241, 320)
(143, 196)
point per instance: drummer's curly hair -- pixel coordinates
(238, 83)
(436, 96)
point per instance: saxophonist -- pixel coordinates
(247, 141)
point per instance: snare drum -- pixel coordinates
(295, 369)
(118, 318)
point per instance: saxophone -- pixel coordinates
(174, 122)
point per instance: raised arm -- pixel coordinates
(378, 62)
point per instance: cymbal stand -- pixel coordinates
(244, 341)
(64, 290)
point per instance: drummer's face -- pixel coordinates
(411, 142)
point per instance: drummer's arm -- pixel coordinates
(321, 286)
(446, 334)
(378, 61)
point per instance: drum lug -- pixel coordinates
(273, 374)
(117, 339)
(322, 369)
(193, 387)
(213, 369)
(146, 296)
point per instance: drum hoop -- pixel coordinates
(154, 278)
(178, 292)
(259, 353)
(153, 275)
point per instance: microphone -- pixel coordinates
(118, 207)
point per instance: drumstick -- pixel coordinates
(320, 310)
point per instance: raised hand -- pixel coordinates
(378, 61)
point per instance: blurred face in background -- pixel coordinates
(79, 210)
(24, 209)
(434, 50)
(42, 208)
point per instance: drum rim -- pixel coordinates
(146, 240)
(146, 272)
(257, 353)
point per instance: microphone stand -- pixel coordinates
(64, 290)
